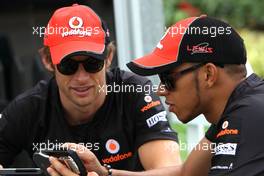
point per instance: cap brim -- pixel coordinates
(151, 64)
(58, 52)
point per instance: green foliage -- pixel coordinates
(172, 13)
(181, 130)
(242, 13)
(254, 41)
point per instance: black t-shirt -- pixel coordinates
(239, 134)
(35, 120)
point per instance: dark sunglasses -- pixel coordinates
(69, 66)
(168, 79)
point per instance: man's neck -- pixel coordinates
(219, 101)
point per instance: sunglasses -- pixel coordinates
(169, 79)
(69, 66)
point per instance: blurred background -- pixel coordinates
(136, 27)
(244, 15)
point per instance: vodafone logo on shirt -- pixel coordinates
(225, 124)
(112, 146)
(147, 99)
(150, 105)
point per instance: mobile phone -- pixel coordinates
(67, 157)
(20, 171)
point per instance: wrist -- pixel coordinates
(103, 171)
(107, 170)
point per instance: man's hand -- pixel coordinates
(1, 166)
(59, 169)
(89, 160)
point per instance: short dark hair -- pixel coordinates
(236, 71)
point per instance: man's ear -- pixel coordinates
(46, 60)
(210, 74)
(48, 64)
(109, 58)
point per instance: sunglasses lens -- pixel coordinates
(167, 80)
(68, 66)
(93, 65)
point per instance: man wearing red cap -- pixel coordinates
(125, 129)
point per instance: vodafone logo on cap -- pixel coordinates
(112, 146)
(75, 22)
(77, 29)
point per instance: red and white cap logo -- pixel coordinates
(112, 146)
(75, 22)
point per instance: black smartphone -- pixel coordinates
(67, 157)
(20, 171)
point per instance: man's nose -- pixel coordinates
(81, 73)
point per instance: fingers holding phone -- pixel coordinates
(90, 161)
(59, 169)
(67, 158)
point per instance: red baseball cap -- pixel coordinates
(196, 39)
(76, 30)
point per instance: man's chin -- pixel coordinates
(187, 119)
(82, 102)
(183, 119)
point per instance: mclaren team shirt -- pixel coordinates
(130, 116)
(239, 135)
